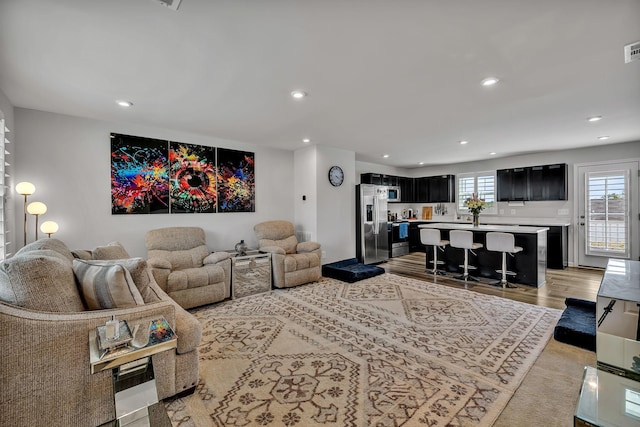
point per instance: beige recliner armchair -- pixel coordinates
(293, 263)
(183, 267)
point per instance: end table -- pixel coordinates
(250, 273)
(134, 384)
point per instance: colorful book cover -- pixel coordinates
(160, 331)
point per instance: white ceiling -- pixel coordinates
(399, 77)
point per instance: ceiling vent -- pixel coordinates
(631, 52)
(171, 4)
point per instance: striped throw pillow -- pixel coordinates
(106, 286)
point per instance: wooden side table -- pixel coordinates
(250, 274)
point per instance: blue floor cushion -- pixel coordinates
(350, 270)
(577, 325)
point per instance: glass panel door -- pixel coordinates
(607, 197)
(607, 215)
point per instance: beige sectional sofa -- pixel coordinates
(45, 376)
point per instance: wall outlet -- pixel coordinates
(563, 212)
(513, 211)
(324, 254)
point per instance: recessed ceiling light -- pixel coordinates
(493, 153)
(490, 81)
(603, 137)
(463, 142)
(123, 103)
(385, 156)
(298, 94)
(306, 140)
(594, 119)
(421, 163)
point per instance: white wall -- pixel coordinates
(68, 160)
(336, 205)
(306, 211)
(329, 212)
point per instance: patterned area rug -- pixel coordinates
(386, 351)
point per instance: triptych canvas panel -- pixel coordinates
(151, 176)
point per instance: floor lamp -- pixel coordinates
(37, 209)
(25, 189)
(49, 227)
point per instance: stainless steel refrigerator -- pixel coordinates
(372, 238)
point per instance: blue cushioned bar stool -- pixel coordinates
(431, 237)
(464, 239)
(505, 243)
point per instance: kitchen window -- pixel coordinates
(481, 183)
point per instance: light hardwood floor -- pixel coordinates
(572, 282)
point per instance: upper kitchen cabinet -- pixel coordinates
(442, 189)
(421, 189)
(428, 189)
(406, 185)
(513, 184)
(534, 183)
(379, 179)
(435, 189)
(548, 182)
(390, 180)
(371, 178)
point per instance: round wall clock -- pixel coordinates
(336, 176)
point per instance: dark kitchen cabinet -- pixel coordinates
(513, 184)
(535, 183)
(379, 179)
(441, 189)
(371, 178)
(557, 246)
(390, 180)
(421, 189)
(415, 245)
(428, 189)
(406, 189)
(548, 182)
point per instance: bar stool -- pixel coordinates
(464, 239)
(505, 243)
(431, 237)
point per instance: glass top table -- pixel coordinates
(607, 400)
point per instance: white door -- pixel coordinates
(607, 213)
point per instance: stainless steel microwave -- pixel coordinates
(393, 194)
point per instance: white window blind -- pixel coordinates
(607, 214)
(4, 194)
(466, 188)
(481, 183)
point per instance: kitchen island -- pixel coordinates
(530, 265)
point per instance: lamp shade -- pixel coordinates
(25, 188)
(36, 208)
(49, 227)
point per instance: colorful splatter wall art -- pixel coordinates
(236, 181)
(139, 175)
(192, 178)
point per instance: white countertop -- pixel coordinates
(485, 227)
(544, 222)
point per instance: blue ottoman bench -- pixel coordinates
(350, 270)
(577, 325)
